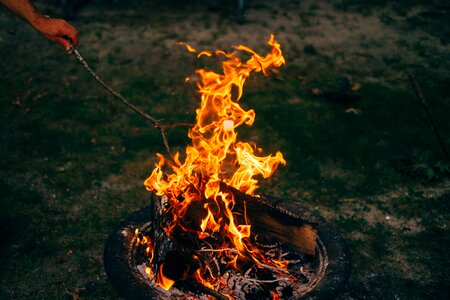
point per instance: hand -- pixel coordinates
(56, 30)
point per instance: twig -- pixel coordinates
(266, 281)
(211, 292)
(218, 271)
(218, 250)
(423, 101)
(276, 269)
(195, 286)
(156, 122)
(246, 274)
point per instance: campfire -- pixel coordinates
(207, 234)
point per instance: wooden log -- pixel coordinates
(173, 253)
(164, 246)
(281, 225)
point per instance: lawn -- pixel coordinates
(358, 144)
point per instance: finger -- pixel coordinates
(63, 42)
(71, 32)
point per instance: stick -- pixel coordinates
(423, 101)
(211, 292)
(194, 286)
(156, 122)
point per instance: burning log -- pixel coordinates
(276, 222)
(180, 255)
(318, 277)
(173, 254)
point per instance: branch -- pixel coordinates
(163, 128)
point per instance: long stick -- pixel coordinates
(423, 101)
(156, 122)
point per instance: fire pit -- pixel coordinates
(326, 272)
(206, 233)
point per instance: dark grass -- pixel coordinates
(73, 163)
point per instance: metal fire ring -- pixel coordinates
(332, 274)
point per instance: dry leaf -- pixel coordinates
(353, 111)
(316, 91)
(356, 86)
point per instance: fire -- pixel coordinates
(214, 140)
(199, 277)
(149, 247)
(163, 281)
(217, 156)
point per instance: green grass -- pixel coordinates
(73, 159)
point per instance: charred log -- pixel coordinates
(285, 226)
(173, 253)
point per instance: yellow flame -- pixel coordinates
(188, 47)
(209, 223)
(206, 53)
(212, 144)
(216, 155)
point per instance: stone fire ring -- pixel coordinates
(333, 272)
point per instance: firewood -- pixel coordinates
(277, 223)
(173, 253)
(181, 252)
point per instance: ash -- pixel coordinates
(296, 275)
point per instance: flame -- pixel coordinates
(202, 280)
(149, 246)
(214, 148)
(217, 156)
(209, 223)
(188, 47)
(275, 296)
(163, 281)
(206, 53)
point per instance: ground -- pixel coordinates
(359, 147)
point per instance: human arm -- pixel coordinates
(56, 30)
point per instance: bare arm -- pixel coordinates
(52, 29)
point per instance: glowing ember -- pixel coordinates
(215, 158)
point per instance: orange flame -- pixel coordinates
(209, 222)
(275, 296)
(149, 249)
(188, 47)
(199, 277)
(214, 149)
(163, 281)
(216, 155)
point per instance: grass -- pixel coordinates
(74, 160)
